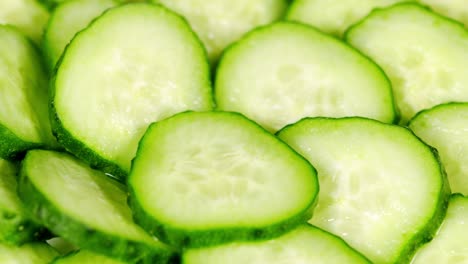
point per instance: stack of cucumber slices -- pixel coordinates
(233, 131)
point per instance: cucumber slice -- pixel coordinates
(31, 253)
(445, 127)
(15, 226)
(66, 20)
(305, 244)
(85, 207)
(382, 189)
(424, 55)
(86, 257)
(143, 63)
(333, 16)
(24, 118)
(283, 72)
(449, 245)
(28, 16)
(219, 23)
(205, 178)
(455, 9)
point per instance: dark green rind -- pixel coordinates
(428, 232)
(396, 113)
(73, 145)
(43, 211)
(184, 238)
(12, 147)
(435, 108)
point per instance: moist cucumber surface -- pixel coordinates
(382, 189)
(24, 119)
(85, 207)
(424, 55)
(285, 71)
(445, 127)
(219, 23)
(66, 20)
(86, 257)
(206, 178)
(455, 9)
(28, 16)
(333, 16)
(143, 64)
(16, 227)
(449, 245)
(30, 253)
(305, 244)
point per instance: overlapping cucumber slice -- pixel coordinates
(423, 53)
(85, 207)
(445, 127)
(24, 117)
(283, 72)
(206, 178)
(382, 189)
(135, 64)
(305, 244)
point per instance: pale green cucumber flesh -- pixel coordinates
(423, 54)
(143, 64)
(24, 118)
(68, 19)
(445, 127)
(305, 244)
(455, 9)
(449, 245)
(86, 257)
(283, 72)
(28, 16)
(30, 253)
(224, 177)
(219, 23)
(85, 207)
(333, 16)
(382, 189)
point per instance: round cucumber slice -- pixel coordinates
(449, 245)
(86, 257)
(219, 23)
(382, 189)
(135, 64)
(206, 178)
(283, 72)
(445, 127)
(85, 207)
(24, 116)
(423, 54)
(66, 20)
(305, 244)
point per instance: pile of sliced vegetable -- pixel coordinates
(233, 131)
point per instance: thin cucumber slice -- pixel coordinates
(455, 9)
(382, 189)
(61, 245)
(66, 20)
(86, 257)
(15, 225)
(283, 72)
(219, 23)
(206, 178)
(423, 54)
(28, 16)
(31, 253)
(449, 245)
(85, 207)
(24, 118)
(143, 63)
(334, 16)
(445, 127)
(305, 244)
